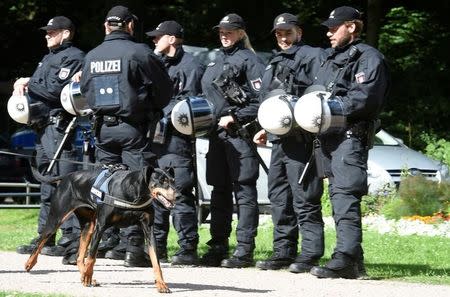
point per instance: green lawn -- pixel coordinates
(410, 258)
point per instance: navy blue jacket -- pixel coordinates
(300, 61)
(249, 70)
(358, 75)
(185, 71)
(124, 78)
(53, 73)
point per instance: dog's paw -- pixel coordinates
(162, 287)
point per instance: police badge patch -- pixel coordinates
(360, 77)
(64, 73)
(256, 84)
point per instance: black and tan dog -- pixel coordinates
(127, 203)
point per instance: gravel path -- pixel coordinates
(50, 276)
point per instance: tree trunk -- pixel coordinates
(374, 14)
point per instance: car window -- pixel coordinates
(383, 138)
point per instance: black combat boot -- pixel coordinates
(275, 262)
(215, 254)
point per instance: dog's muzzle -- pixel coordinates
(165, 202)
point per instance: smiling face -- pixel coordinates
(286, 38)
(229, 37)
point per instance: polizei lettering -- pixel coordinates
(107, 66)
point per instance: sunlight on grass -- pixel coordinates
(412, 258)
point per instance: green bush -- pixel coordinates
(438, 149)
(373, 204)
(418, 196)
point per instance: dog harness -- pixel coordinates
(100, 190)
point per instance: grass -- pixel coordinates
(388, 257)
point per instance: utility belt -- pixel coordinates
(60, 121)
(110, 121)
(364, 131)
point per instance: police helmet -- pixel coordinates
(24, 110)
(193, 116)
(276, 113)
(73, 101)
(317, 112)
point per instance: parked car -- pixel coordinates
(387, 160)
(12, 168)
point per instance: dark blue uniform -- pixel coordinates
(175, 152)
(45, 85)
(231, 164)
(357, 75)
(125, 83)
(294, 205)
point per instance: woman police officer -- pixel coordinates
(232, 84)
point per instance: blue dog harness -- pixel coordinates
(100, 190)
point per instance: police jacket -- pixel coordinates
(124, 78)
(185, 72)
(291, 70)
(358, 75)
(248, 69)
(53, 72)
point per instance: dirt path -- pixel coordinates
(50, 276)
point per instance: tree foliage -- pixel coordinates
(412, 35)
(412, 41)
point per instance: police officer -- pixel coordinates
(45, 86)
(174, 149)
(294, 206)
(124, 83)
(357, 77)
(232, 83)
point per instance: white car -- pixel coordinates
(388, 158)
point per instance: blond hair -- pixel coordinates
(245, 39)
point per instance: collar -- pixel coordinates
(338, 50)
(63, 46)
(179, 53)
(234, 48)
(118, 34)
(292, 50)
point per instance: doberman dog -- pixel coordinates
(129, 202)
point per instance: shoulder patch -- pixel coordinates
(256, 84)
(268, 67)
(64, 73)
(211, 64)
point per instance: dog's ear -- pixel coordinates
(147, 173)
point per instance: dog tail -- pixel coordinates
(43, 178)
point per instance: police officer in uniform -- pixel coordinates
(174, 149)
(294, 206)
(357, 77)
(125, 83)
(232, 83)
(45, 86)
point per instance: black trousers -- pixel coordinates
(347, 165)
(47, 142)
(295, 207)
(232, 168)
(127, 144)
(184, 214)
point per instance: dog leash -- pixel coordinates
(63, 160)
